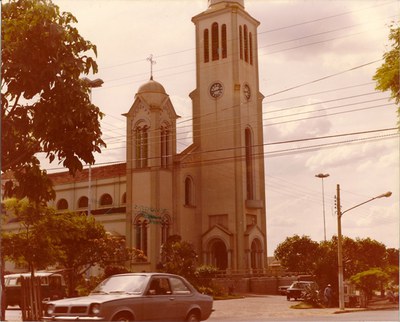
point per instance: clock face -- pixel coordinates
(246, 91)
(216, 90)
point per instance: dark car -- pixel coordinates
(298, 289)
(135, 297)
(52, 286)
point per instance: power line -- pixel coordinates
(291, 150)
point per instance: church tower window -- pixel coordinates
(206, 46)
(246, 44)
(141, 148)
(241, 42)
(249, 165)
(224, 42)
(141, 227)
(251, 48)
(165, 146)
(214, 41)
(189, 192)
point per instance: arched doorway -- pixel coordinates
(219, 255)
(256, 253)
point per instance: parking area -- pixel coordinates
(262, 307)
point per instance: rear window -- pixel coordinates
(178, 286)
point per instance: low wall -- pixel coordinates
(255, 285)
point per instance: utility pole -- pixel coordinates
(340, 251)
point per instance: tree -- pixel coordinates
(298, 254)
(179, 257)
(31, 245)
(369, 281)
(45, 105)
(387, 76)
(79, 240)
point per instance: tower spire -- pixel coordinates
(152, 62)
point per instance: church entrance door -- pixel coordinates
(219, 255)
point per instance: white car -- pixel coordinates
(135, 297)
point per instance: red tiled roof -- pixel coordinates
(103, 172)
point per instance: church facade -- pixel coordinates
(212, 194)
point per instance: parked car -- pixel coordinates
(135, 297)
(298, 289)
(52, 286)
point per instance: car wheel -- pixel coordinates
(193, 317)
(288, 298)
(123, 317)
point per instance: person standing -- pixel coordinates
(328, 295)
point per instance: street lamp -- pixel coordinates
(340, 251)
(91, 84)
(322, 176)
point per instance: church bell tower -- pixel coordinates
(228, 133)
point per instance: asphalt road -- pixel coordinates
(273, 308)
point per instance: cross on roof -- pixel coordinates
(152, 62)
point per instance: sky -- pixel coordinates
(321, 112)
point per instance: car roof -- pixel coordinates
(149, 274)
(40, 274)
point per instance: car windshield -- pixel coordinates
(134, 284)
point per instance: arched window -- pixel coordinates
(106, 200)
(141, 146)
(251, 48)
(246, 44)
(256, 254)
(165, 228)
(62, 204)
(83, 202)
(214, 41)
(189, 192)
(165, 146)
(206, 46)
(141, 226)
(240, 42)
(224, 42)
(123, 198)
(249, 164)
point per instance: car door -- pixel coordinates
(157, 300)
(182, 297)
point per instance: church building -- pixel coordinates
(212, 194)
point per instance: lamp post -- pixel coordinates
(91, 84)
(322, 176)
(340, 251)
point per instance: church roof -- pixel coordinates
(103, 172)
(153, 93)
(151, 87)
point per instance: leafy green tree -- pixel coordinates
(178, 257)
(31, 245)
(387, 76)
(369, 281)
(45, 105)
(298, 254)
(79, 239)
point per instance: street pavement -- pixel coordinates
(274, 308)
